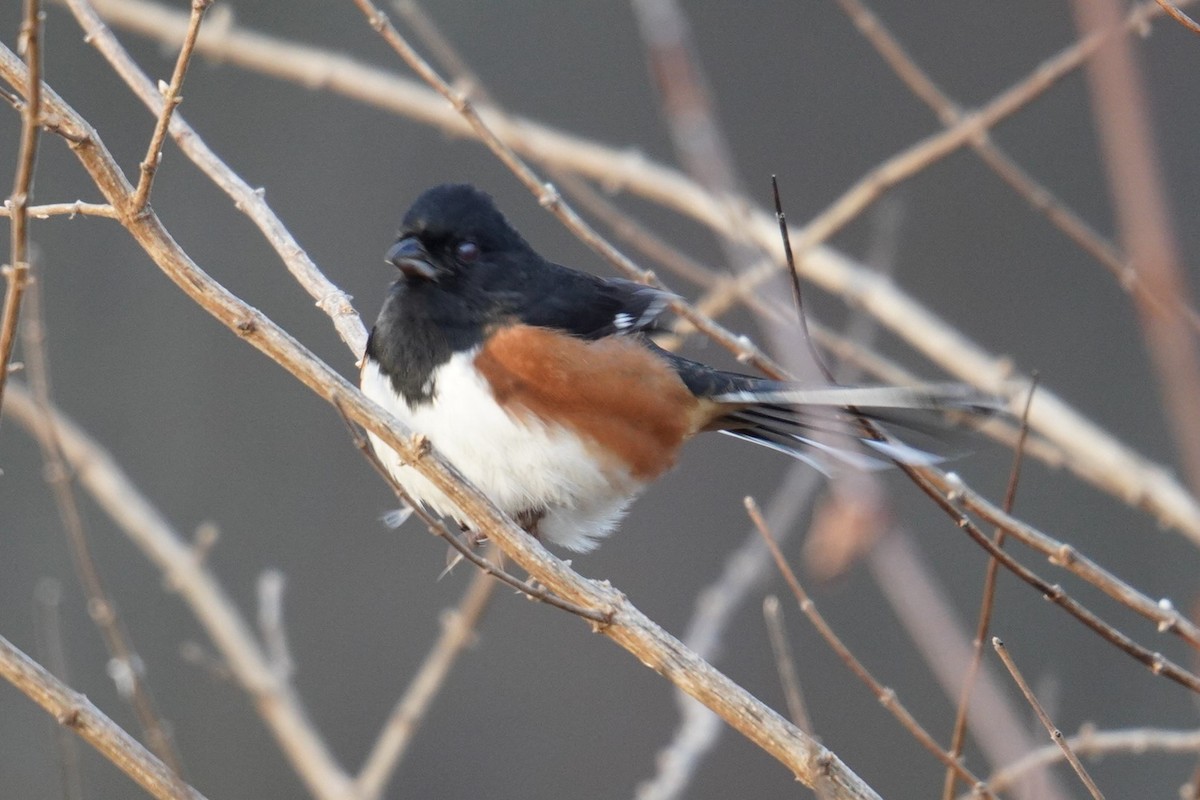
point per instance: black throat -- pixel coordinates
(419, 328)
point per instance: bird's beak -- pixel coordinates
(410, 257)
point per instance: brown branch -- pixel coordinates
(185, 573)
(74, 711)
(958, 737)
(1176, 14)
(1162, 612)
(1097, 744)
(887, 697)
(1055, 734)
(16, 272)
(458, 633)
(629, 627)
(329, 298)
(1143, 219)
(130, 679)
(1039, 198)
(78, 208)
(925, 479)
(1088, 451)
(170, 99)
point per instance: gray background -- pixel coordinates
(210, 430)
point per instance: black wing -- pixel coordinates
(587, 306)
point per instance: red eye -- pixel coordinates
(466, 252)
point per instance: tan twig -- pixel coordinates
(629, 627)
(1097, 744)
(458, 633)
(785, 664)
(78, 208)
(1176, 14)
(1162, 611)
(789, 676)
(1088, 451)
(47, 596)
(270, 624)
(1143, 219)
(1154, 661)
(958, 737)
(1036, 195)
(714, 610)
(549, 197)
(1055, 733)
(16, 272)
(933, 621)
(129, 668)
(175, 557)
(329, 298)
(464, 549)
(170, 99)
(886, 696)
(74, 711)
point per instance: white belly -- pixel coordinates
(521, 465)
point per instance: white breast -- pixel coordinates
(520, 464)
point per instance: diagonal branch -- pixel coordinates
(76, 712)
(1090, 452)
(630, 628)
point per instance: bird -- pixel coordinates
(544, 387)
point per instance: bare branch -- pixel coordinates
(170, 99)
(74, 711)
(958, 738)
(1176, 14)
(1089, 451)
(630, 628)
(16, 272)
(1089, 742)
(458, 628)
(1054, 732)
(78, 208)
(1143, 218)
(329, 298)
(183, 572)
(886, 696)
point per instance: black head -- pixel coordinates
(449, 229)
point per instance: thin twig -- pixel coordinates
(1036, 195)
(170, 99)
(250, 201)
(128, 665)
(1176, 14)
(630, 628)
(78, 208)
(1055, 734)
(74, 711)
(1154, 661)
(1123, 120)
(175, 557)
(887, 697)
(1097, 744)
(16, 272)
(270, 624)
(958, 737)
(714, 610)
(785, 664)
(1086, 449)
(47, 596)
(458, 629)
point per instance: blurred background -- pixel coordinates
(214, 433)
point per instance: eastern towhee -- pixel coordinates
(542, 386)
